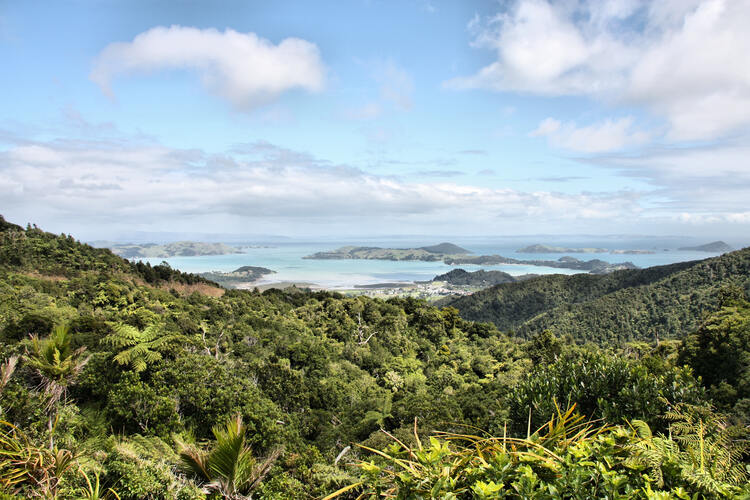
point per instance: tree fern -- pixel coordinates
(140, 348)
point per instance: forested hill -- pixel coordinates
(667, 301)
(34, 251)
(113, 374)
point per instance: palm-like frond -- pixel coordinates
(139, 348)
(55, 362)
(230, 467)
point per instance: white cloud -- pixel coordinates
(685, 60)
(124, 181)
(241, 67)
(609, 135)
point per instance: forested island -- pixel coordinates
(432, 253)
(454, 255)
(176, 249)
(123, 380)
(241, 276)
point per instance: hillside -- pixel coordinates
(667, 301)
(151, 367)
(480, 278)
(446, 249)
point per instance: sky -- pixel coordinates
(372, 117)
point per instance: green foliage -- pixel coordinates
(317, 371)
(604, 386)
(719, 352)
(229, 468)
(139, 348)
(565, 458)
(642, 304)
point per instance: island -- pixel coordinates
(432, 253)
(456, 256)
(594, 266)
(176, 249)
(713, 247)
(552, 249)
(240, 276)
(538, 248)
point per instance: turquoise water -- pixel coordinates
(286, 259)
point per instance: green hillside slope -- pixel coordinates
(667, 301)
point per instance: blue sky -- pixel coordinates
(375, 117)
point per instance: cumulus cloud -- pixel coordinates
(242, 68)
(683, 60)
(609, 135)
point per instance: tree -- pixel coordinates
(139, 347)
(57, 365)
(229, 468)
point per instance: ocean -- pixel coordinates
(286, 258)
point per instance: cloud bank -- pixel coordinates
(242, 68)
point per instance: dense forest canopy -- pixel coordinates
(152, 383)
(640, 304)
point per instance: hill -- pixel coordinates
(240, 276)
(714, 247)
(147, 363)
(667, 301)
(446, 249)
(480, 278)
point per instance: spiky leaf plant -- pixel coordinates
(229, 467)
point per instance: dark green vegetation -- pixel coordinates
(242, 275)
(664, 301)
(130, 377)
(479, 278)
(176, 249)
(714, 246)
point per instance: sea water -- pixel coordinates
(287, 258)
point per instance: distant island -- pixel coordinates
(538, 248)
(551, 249)
(242, 275)
(714, 247)
(481, 278)
(176, 249)
(454, 255)
(594, 266)
(432, 253)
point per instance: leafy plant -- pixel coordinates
(139, 348)
(229, 467)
